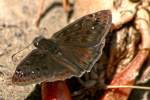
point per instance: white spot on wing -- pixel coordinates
(92, 27)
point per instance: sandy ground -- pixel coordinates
(16, 32)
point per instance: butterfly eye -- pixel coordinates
(37, 40)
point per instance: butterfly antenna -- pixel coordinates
(127, 86)
(12, 57)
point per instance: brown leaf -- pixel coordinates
(126, 77)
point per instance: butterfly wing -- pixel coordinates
(82, 41)
(41, 65)
(83, 58)
(87, 31)
(80, 45)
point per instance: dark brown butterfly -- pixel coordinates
(71, 51)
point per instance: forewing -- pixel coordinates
(40, 66)
(82, 57)
(87, 31)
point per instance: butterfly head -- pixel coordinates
(37, 40)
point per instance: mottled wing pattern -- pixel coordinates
(83, 58)
(87, 31)
(82, 41)
(70, 52)
(41, 65)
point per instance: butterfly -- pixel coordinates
(70, 52)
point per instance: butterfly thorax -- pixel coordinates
(46, 44)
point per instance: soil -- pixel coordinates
(17, 30)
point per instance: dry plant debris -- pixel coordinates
(126, 52)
